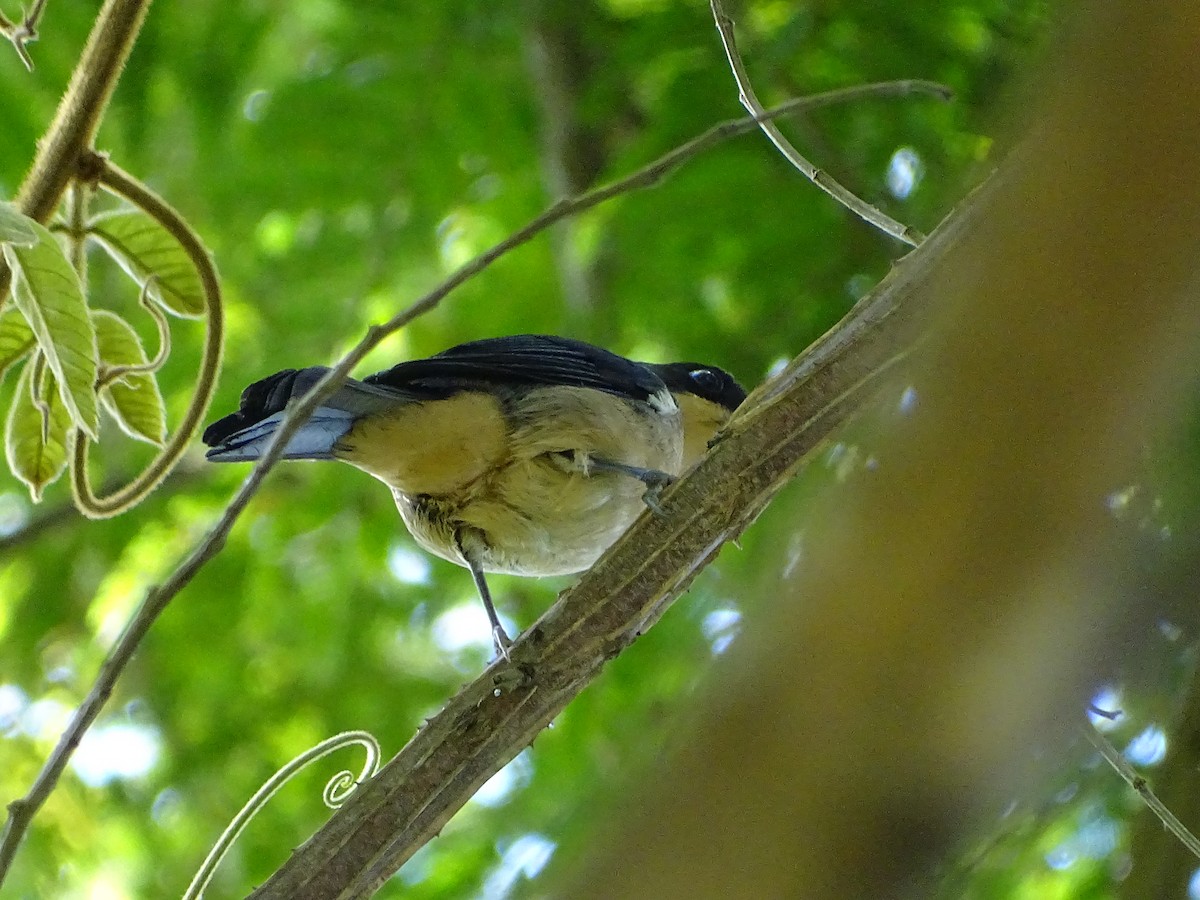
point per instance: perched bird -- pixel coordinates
(526, 455)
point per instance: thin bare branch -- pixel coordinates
(1117, 760)
(79, 199)
(79, 113)
(819, 177)
(24, 32)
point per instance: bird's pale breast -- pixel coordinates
(542, 510)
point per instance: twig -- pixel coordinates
(819, 177)
(79, 199)
(78, 116)
(82, 107)
(25, 31)
(1115, 759)
(1111, 714)
(157, 598)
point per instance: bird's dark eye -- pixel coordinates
(706, 380)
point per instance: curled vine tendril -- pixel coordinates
(109, 374)
(339, 788)
(98, 168)
(336, 792)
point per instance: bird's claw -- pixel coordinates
(501, 642)
(656, 483)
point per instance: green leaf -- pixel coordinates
(16, 227)
(16, 339)
(47, 290)
(133, 399)
(35, 441)
(143, 248)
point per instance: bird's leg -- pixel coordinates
(500, 639)
(654, 479)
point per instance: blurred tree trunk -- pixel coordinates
(954, 606)
(573, 155)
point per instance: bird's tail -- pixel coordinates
(244, 435)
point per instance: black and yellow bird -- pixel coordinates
(526, 455)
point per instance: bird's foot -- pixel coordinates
(501, 642)
(656, 482)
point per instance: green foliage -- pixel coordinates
(15, 227)
(16, 339)
(47, 291)
(35, 434)
(91, 357)
(151, 256)
(133, 398)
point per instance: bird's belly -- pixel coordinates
(541, 516)
(543, 509)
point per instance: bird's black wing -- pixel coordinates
(521, 359)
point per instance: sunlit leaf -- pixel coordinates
(143, 248)
(35, 438)
(47, 290)
(133, 399)
(16, 227)
(16, 339)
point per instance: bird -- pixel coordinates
(524, 454)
